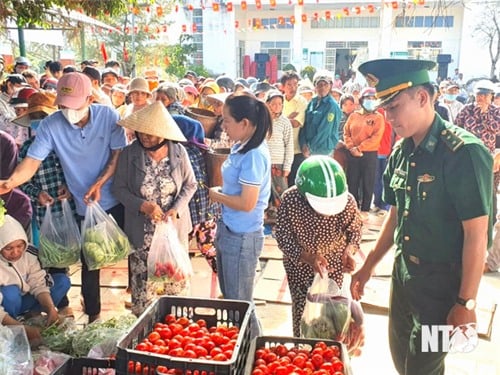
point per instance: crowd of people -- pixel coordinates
(313, 159)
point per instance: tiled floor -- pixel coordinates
(276, 320)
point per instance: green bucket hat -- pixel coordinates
(391, 76)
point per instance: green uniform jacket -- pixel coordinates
(445, 180)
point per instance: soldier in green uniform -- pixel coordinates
(438, 182)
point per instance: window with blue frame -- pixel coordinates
(425, 21)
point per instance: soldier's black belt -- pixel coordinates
(434, 265)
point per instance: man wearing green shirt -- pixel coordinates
(439, 184)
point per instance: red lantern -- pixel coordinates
(159, 11)
(281, 20)
(190, 7)
(194, 28)
(157, 30)
(236, 24)
(176, 8)
(421, 2)
(357, 10)
(370, 8)
(215, 7)
(146, 28)
(184, 28)
(316, 16)
(395, 5)
(127, 30)
(346, 11)
(135, 30)
(243, 5)
(292, 20)
(164, 28)
(229, 7)
(300, 2)
(258, 4)
(272, 3)
(148, 9)
(304, 18)
(328, 15)
(135, 10)
(257, 23)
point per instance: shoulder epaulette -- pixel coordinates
(451, 139)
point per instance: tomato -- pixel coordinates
(258, 371)
(220, 357)
(189, 354)
(193, 327)
(228, 353)
(174, 344)
(200, 351)
(328, 354)
(264, 369)
(201, 322)
(336, 350)
(177, 352)
(175, 328)
(317, 360)
(320, 344)
(291, 355)
(142, 347)
(259, 361)
(270, 357)
(338, 365)
(215, 351)
(169, 319)
(183, 321)
(159, 342)
(165, 333)
(280, 370)
(161, 369)
(153, 336)
(209, 345)
(299, 360)
(281, 350)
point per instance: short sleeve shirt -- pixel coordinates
(83, 152)
(435, 186)
(251, 168)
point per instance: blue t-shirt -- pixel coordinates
(83, 152)
(252, 168)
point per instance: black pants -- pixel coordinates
(91, 279)
(297, 160)
(361, 178)
(420, 295)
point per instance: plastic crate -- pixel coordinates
(214, 311)
(290, 342)
(84, 366)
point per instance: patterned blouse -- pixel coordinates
(484, 125)
(160, 190)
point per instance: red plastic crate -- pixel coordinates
(214, 311)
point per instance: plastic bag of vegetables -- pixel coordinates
(103, 242)
(330, 313)
(169, 267)
(15, 352)
(60, 241)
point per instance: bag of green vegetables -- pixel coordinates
(103, 242)
(59, 238)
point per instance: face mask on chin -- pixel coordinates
(74, 115)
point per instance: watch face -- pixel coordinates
(470, 304)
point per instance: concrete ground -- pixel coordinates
(276, 318)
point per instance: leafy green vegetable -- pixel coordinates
(58, 338)
(101, 251)
(56, 255)
(3, 210)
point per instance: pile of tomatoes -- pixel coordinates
(185, 338)
(279, 360)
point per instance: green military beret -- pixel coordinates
(390, 76)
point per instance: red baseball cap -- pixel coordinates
(73, 89)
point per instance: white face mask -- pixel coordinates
(74, 115)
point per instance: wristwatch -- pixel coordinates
(469, 304)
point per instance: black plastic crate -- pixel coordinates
(214, 311)
(301, 343)
(84, 366)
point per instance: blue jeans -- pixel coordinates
(15, 304)
(237, 257)
(379, 185)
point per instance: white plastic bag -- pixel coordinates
(60, 241)
(103, 242)
(15, 351)
(169, 266)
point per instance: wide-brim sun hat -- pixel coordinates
(41, 101)
(219, 97)
(154, 120)
(139, 84)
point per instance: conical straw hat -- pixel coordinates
(154, 120)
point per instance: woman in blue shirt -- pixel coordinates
(244, 196)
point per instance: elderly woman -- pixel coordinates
(140, 97)
(154, 181)
(169, 95)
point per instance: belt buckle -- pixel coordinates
(414, 259)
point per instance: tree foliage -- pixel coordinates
(33, 12)
(487, 30)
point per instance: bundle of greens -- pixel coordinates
(52, 254)
(101, 250)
